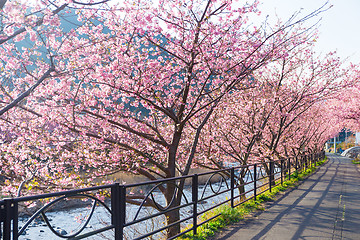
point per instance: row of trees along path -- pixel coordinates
(92, 88)
(325, 206)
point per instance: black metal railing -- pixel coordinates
(121, 219)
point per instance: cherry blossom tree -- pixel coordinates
(133, 87)
(39, 24)
(310, 131)
(345, 107)
(31, 38)
(271, 121)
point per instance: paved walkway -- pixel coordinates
(325, 206)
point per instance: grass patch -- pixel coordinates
(230, 215)
(227, 216)
(322, 162)
(356, 161)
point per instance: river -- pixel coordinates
(69, 221)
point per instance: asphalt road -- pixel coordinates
(324, 206)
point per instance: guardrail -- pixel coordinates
(234, 185)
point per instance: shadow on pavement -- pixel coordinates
(310, 212)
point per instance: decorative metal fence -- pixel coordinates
(234, 186)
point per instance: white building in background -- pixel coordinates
(357, 139)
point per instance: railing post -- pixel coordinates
(289, 166)
(232, 186)
(282, 171)
(115, 207)
(122, 197)
(302, 162)
(255, 167)
(195, 187)
(312, 158)
(7, 219)
(271, 175)
(118, 207)
(315, 155)
(15, 209)
(308, 162)
(2, 217)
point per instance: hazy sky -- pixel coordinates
(339, 27)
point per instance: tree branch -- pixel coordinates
(38, 23)
(27, 93)
(131, 130)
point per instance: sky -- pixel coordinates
(339, 28)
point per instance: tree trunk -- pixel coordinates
(174, 215)
(241, 188)
(270, 171)
(172, 200)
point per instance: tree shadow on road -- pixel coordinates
(310, 212)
